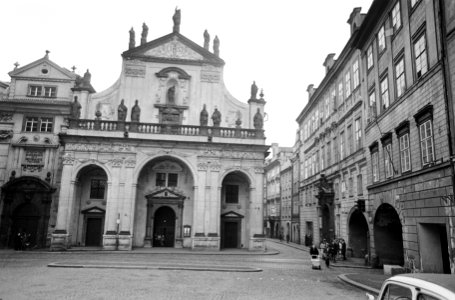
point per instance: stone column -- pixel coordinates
(213, 201)
(255, 215)
(110, 238)
(61, 235)
(148, 241)
(199, 202)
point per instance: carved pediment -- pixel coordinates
(232, 214)
(174, 49)
(93, 210)
(165, 193)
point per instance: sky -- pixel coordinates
(279, 44)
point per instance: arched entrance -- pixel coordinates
(234, 201)
(358, 234)
(328, 223)
(26, 204)
(388, 235)
(164, 227)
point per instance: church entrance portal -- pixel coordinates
(164, 227)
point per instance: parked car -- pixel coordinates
(417, 286)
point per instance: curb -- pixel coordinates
(142, 267)
(343, 277)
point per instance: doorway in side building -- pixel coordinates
(164, 227)
(434, 248)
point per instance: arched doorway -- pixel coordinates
(235, 196)
(327, 230)
(26, 203)
(164, 227)
(388, 235)
(358, 234)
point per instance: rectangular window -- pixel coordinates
(34, 90)
(350, 142)
(322, 158)
(172, 179)
(334, 99)
(370, 57)
(405, 153)
(327, 107)
(426, 142)
(355, 74)
(343, 188)
(340, 93)
(385, 93)
(371, 106)
(375, 165)
(97, 188)
(50, 91)
(396, 17)
(358, 134)
(342, 154)
(420, 54)
(381, 39)
(400, 81)
(317, 161)
(359, 185)
(388, 165)
(329, 154)
(31, 124)
(413, 3)
(160, 179)
(232, 193)
(46, 125)
(351, 186)
(347, 83)
(335, 150)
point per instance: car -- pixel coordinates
(417, 286)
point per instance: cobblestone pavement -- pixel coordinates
(287, 275)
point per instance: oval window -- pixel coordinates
(44, 71)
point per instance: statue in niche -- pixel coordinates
(135, 112)
(76, 109)
(145, 31)
(121, 111)
(176, 18)
(216, 118)
(132, 39)
(171, 95)
(206, 40)
(204, 117)
(258, 120)
(254, 90)
(216, 46)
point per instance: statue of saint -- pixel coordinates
(206, 40)
(258, 120)
(254, 90)
(132, 39)
(216, 118)
(76, 109)
(171, 94)
(135, 112)
(216, 46)
(145, 31)
(204, 117)
(176, 18)
(121, 111)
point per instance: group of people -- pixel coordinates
(21, 240)
(330, 250)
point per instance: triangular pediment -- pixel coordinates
(173, 47)
(165, 193)
(231, 214)
(44, 68)
(93, 210)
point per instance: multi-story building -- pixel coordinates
(407, 133)
(295, 200)
(332, 156)
(273, 214)
(164, 157)
(286, 198)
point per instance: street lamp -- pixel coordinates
(118, 228)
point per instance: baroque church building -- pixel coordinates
(165, 157)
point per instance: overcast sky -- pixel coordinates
(279, 44)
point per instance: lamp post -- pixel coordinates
(117, 235)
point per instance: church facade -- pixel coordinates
(165, 157)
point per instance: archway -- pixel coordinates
(327, 230)
(164, 227)
(388, 235)
(235, 196)
(90, 201)
(358, 234)
(26, 204)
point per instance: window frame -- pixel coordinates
(372, 105)
(405, 152)
(417, 56)
(347, 84)
(38, 123)
(370, 58)
(358, 133)
(231, 194)
(400, 77)
(37, 90)
(396, 17)
(381, 40)
(384, 92)
(388, 159)
(355, 74)
(97, 189)
(424, 140)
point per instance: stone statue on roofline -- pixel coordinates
(121, 111)
(258, 120)
(176, 18)
(216, 46)
(76, 109)
(206, 40)
(145, 31)
(204, 117)
(132, 39)
(254, 91)
(136, 112)
(216, 118)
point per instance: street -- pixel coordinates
(287, 275)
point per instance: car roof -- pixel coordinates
(430, 281)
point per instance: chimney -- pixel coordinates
(310, 89)
(329, 62)
(355, 19)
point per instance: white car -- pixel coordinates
(420, 286)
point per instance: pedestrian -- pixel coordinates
(343, 249)
(287, 238)
(18, 238)
(314, 250)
